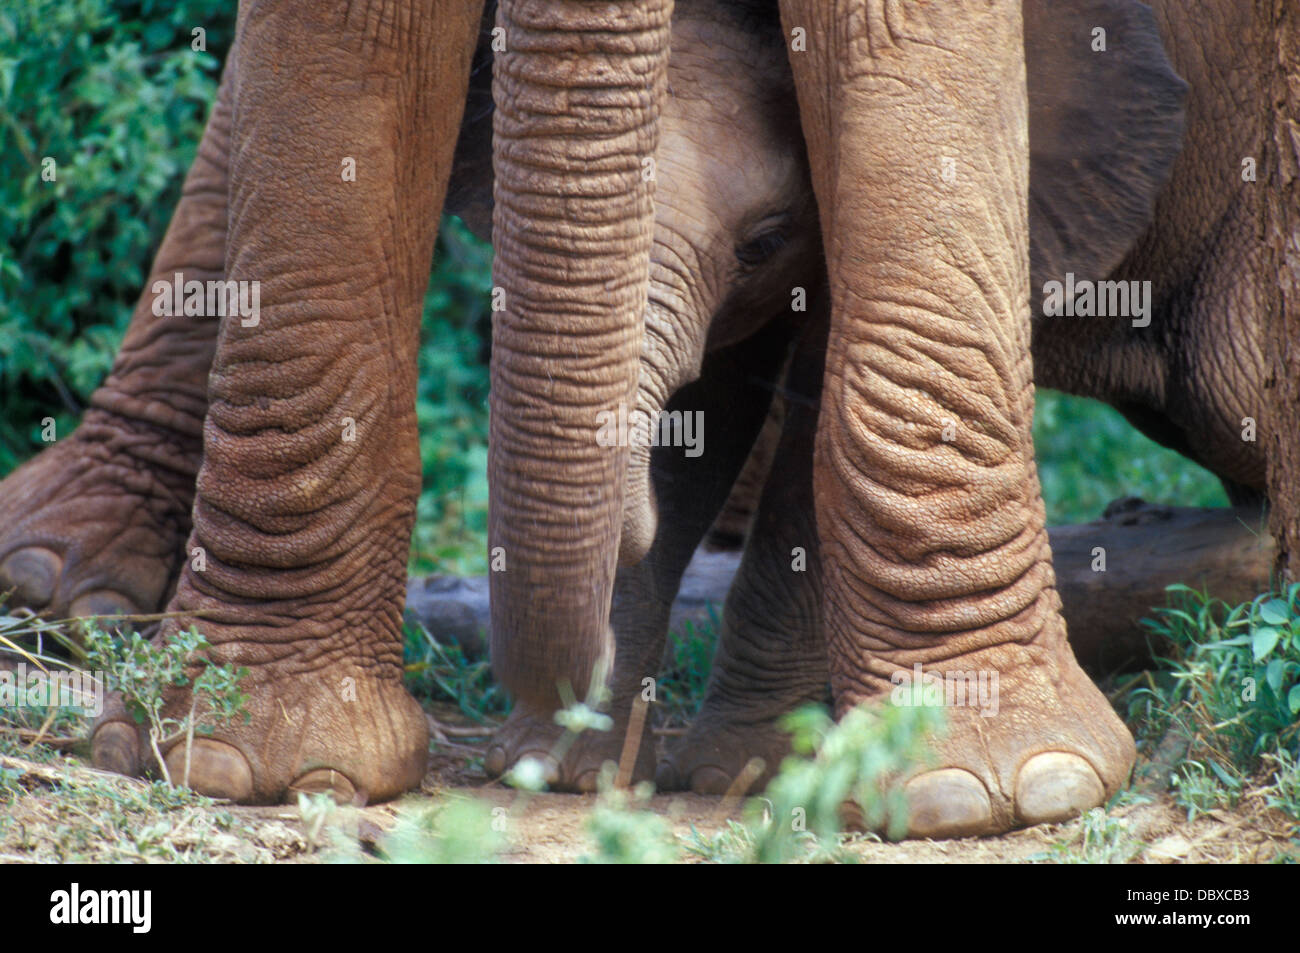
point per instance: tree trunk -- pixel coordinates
(1280, 21)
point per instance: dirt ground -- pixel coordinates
(66, 810)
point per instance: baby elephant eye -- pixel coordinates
(760, 249)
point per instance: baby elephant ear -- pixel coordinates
(1105, 125)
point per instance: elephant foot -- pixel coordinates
(1038, 743)
(720, 755)
(532, 733)
(317, 726)
(96, 524)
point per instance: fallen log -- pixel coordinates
(1143, 548)
(1225, 552)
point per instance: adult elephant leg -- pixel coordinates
(771, 655)
(307, 492)
(96, 523)
(928, 506)
(731, 396)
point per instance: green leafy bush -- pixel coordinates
(1230, 690)
(1089, 455)
(452, 407)
(113, 95)
(686, 675)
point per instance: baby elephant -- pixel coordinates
(1120, 151)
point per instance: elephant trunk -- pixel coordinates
(577, 105)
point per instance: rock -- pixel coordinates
(454, 610)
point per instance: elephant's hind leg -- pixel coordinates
(96, 523)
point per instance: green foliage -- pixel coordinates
(1285, 794)
(1230, 690)
(10, 783)
(1098, 838)
(445, 830)
(801, 815)
(437, 671)
(853, 760)
(1089, 455)
(113, 93)
(451, 407)
(102, 819)
(144, 672)
(680, 690)
(625, 833)
(732, 844)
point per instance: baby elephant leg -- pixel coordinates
(732, 395)
(771, 657)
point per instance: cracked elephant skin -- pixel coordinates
(1111, 196)
(1127, 183)
(1181, 219)
(927, 551)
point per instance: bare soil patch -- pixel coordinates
(60, 809)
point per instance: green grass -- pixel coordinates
(1097, 838)
(1228, 692)
(437, 671)
(690, 656)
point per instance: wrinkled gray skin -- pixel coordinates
(726, 159)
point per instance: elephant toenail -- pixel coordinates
(101, 602)
(31, 573)
(324, 781)
(1056, 786)
(587, 782)
(949, 802)
(216, 769)
(116, 747)
(494, 763)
